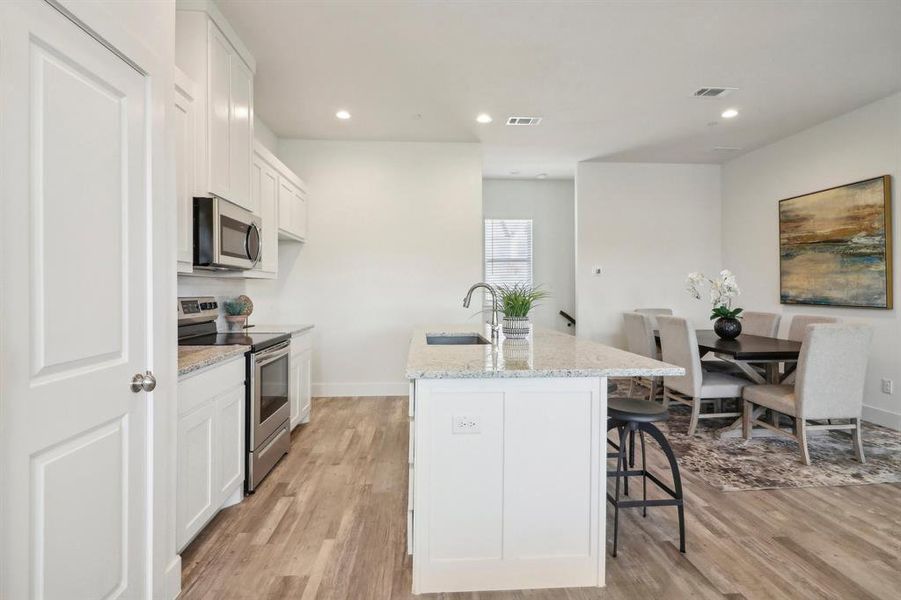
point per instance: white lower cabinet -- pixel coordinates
(211, 405)
(300, 392)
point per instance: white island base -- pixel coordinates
(508, 483)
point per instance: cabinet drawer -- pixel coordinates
(194, 388)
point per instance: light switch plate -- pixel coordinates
(888, 386)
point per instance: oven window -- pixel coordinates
(232, 237)
(273, 387)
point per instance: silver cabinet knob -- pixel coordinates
(143, 382)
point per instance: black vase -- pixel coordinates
(727, 328)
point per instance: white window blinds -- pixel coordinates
(508, 251)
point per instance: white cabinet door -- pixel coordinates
(184, 116)
(299, 378)
(241, 134)
(292, 211)
(211, 407)
(219, 113)
(264, 187)
(306, 388)
(294, 379)
(198, 473)
(74, 246)
(230, 416)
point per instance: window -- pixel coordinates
(508, 252)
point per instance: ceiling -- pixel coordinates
(612, 80)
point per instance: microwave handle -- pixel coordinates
(254, 262)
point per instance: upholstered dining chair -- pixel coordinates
(697, 386)
(829, 386)
(798, 325)
(796, 330)
(640, 340)
(760, 323)
(653, 313)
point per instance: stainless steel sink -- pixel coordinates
(455, 339)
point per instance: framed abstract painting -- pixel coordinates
(835, 246)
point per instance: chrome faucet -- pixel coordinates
(495, 327)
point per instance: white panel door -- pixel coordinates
(74, 288)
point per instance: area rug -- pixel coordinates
(775, 462)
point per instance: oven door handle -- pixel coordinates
(272, 354)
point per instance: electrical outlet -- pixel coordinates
(596, 270)
(466, 424)
(888, 386)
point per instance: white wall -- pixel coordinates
(264, 134)
(395, 240)
(550, 205)
(862, 144)
(647, 226)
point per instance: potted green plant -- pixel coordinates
(516, 302)
(235, 313)
(723, 291)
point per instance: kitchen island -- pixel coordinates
(507, 458)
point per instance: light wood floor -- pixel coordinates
(329, 523)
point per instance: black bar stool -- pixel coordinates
(628, 416)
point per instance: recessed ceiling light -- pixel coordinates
(541, 176)
(484, 118)
(729, 113)
(343, 115)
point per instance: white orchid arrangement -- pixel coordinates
(723, 291)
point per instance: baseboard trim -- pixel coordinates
(374, 388)
(173, 578)
(883, 417)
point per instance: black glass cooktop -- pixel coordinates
(256, 341)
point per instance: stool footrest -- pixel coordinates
(641, 503)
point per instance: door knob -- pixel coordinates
(143, 382)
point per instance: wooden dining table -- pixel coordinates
(757, 357)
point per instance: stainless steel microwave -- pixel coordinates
(225, 235)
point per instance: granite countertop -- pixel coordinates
(546, 353)
(292, 329)
(193, 358)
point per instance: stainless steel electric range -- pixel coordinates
(267, 414)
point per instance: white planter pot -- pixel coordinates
(517, 328)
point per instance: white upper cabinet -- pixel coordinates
(264, 188)
(292, 210)
(185, 180)
(240, 124)
(210, 53)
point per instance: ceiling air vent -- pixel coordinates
(523, 121)
(713, 92)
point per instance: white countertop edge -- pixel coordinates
(292, 329)
(475, 374)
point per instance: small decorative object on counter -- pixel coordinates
(516, 302)
(723, 291)
(235, 313)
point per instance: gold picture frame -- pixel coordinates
(835, 246)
